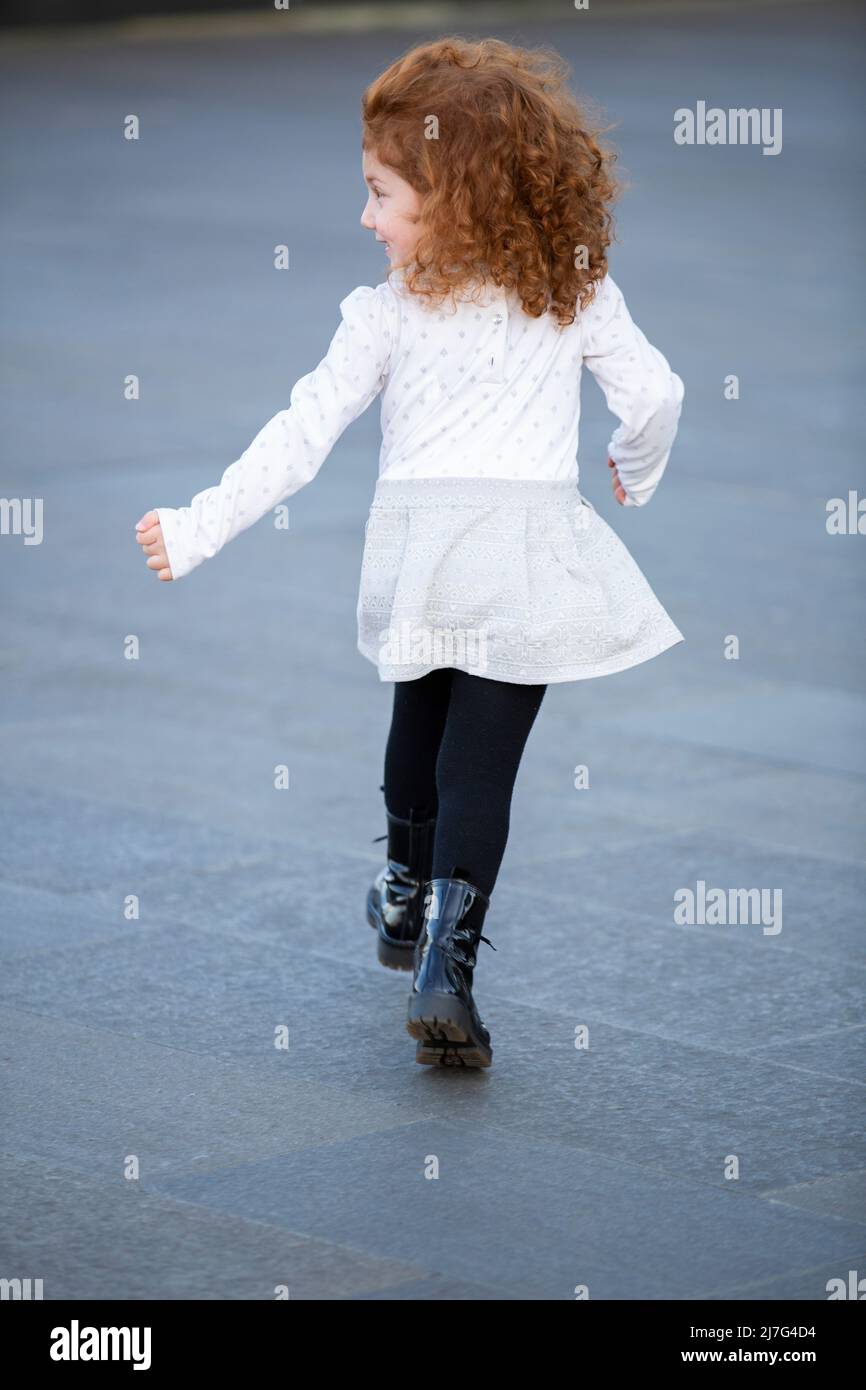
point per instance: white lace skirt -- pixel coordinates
(517, 580)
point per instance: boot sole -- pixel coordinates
(394, 957)
(433, 1054)
(443, 1029)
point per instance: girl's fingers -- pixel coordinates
(618, 489)
(148, 533)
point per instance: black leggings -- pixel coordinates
(454, 748)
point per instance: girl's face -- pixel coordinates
(393, 210)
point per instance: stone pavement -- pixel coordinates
(152, 1039)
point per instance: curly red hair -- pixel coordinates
(516, 188)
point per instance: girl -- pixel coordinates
(485, 574)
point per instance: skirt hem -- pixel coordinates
(549, 676)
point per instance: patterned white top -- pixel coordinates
(483, 391)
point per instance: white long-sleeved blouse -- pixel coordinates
(482, 391)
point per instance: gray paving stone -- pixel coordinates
(843, 1196)
(33, 919)
(219, 999)
(839, 1052)
(437, 1289)
(820, 898)
(612, 1226)
(808, 1285)
(824, 729)
(65, 841)
(103, 1095)
(646, 786)
(90, 1239)
(687, 985)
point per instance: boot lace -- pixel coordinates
(447, 951)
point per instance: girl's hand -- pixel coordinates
(618, 489)
(148, 533)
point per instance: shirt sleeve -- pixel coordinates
(639, 387)
(289, 450)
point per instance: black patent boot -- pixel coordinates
(395, 902)
(442, 1012)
